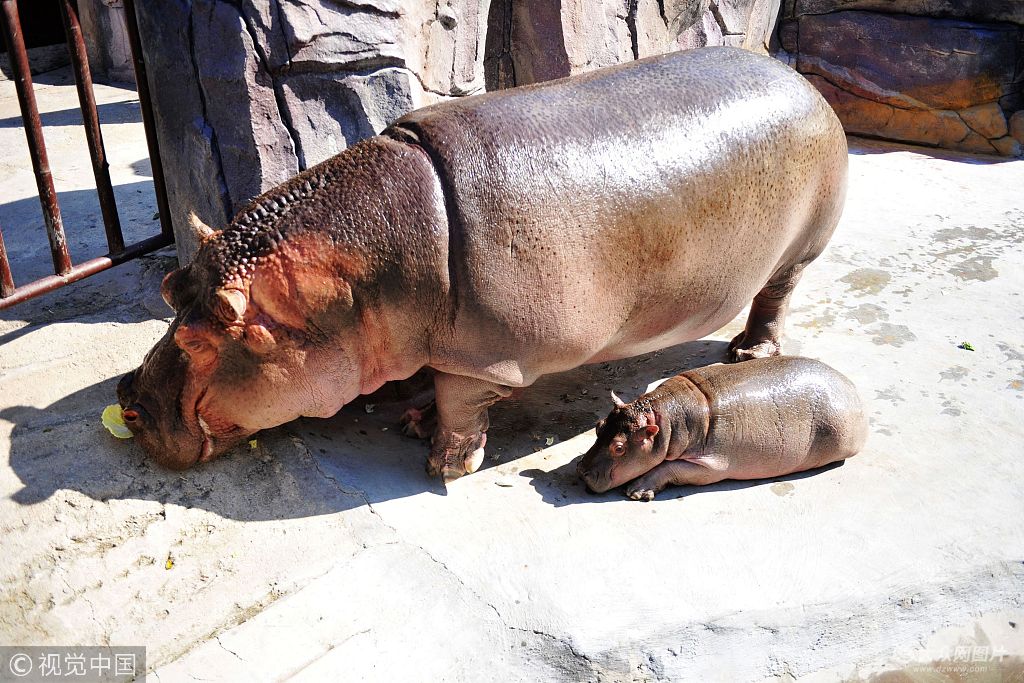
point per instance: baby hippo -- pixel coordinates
(765, 417)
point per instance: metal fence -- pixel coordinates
(64, 271)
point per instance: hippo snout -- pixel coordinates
(124, 387)
(594, 481)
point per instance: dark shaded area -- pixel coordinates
(861, 145)
(40, 23)
(111, 112)
(310, 466)
(524, 43)
(561, 486)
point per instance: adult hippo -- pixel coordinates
(496, 239)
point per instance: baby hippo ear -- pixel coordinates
(645, 433)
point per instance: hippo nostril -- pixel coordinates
(135, 416)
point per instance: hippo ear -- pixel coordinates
(197, 342)
(170, 288)
(617, 401)
(644, 434)
(229, 305)
(201, 229)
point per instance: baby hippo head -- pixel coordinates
(625, 449)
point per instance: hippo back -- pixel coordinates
(768, 410)
(634, 207)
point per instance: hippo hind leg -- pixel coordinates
(761, 338)
(420, 419)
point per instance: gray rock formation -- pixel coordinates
(106, 39)
(249, 92)
(528, 42)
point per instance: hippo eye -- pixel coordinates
(617, 448)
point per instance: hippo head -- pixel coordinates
(245, 351)
(625, 447)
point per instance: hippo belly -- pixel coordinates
(626, 210)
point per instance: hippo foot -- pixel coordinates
(420, 422)
(640, 492)
(453, 455)
(740, 349)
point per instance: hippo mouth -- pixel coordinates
(595, 486)
(206, 450)
(594, 482)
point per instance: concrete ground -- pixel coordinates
(324, 553)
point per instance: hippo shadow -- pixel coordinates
(362, 445)
(561, 486)
(64, 448)
(312, 467)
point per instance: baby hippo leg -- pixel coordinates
(671, 472)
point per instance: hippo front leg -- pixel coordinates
(674, 472)
(458, 444)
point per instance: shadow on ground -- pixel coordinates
(313, 467)
(25, 233)
(129, 293)
(109, 113)
(864, 145)
(561, 486)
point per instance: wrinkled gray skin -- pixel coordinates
(767, 417)
(497, 239)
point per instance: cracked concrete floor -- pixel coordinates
(324, 553)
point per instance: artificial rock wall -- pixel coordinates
(106, 39)
(249, 92)
(945, 73)
(538, 40)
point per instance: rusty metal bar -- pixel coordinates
(148, 122)
(83, 270)
(100, 167)
(6, 278)
(34, 134)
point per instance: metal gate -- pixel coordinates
(64, 271)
